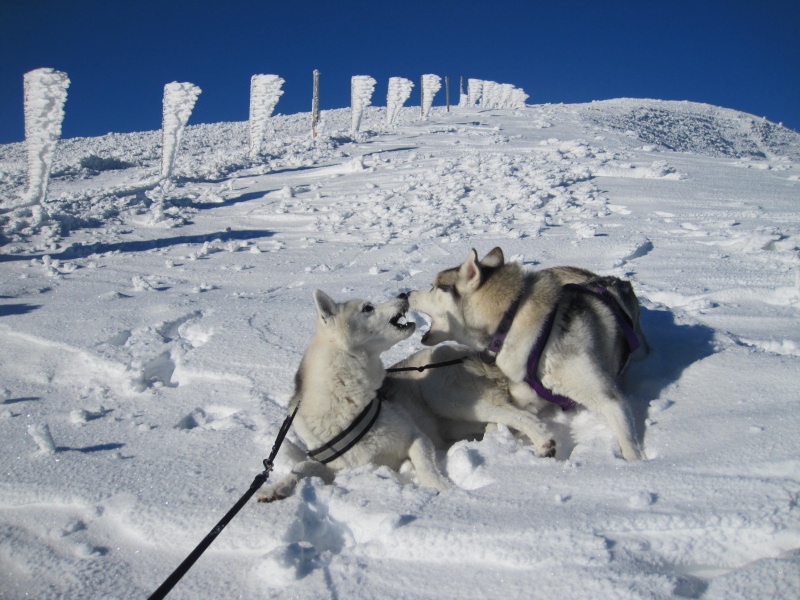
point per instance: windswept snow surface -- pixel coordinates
(146, 365)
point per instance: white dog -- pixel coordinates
(562, 334)
(343, 416)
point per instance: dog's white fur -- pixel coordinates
(585, 350)
(340, 374)
(464, 397)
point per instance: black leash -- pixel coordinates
(260, 479)
(447, 363)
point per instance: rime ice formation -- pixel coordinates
(489, 94)
(430, 85)
(179, 99)
(474, 91)
(265, 91)
(399, 92)
(45, 95)
(361, 88)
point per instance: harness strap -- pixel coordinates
(565, 403)
(599, 292)
(447, 363)
(350, 436)
(489, 354)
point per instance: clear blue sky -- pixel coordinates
(119, 54)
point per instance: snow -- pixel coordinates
(147, 363)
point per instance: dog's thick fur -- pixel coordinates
(584, 354)
(463, 398)
(340, 374)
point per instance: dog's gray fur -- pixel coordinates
(585, 350)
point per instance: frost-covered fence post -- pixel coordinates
(45, 92)
(361, 88)
(430, 85)
(463, 99)
(518, 98)
(399, 92)
(315, 105)
(265, 91)
(474, 91)
(179, 99)
(447, 92)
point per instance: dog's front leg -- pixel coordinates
(284, 488)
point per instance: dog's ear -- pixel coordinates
(470, 271)
(494, 259)
(326, 306)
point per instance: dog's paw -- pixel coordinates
(272, 496)
(278, 491)
(548, 449)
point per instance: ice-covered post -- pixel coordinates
(361, 88)
(488, 94)
(399, 92)
(45, 92)
(519, 97)
(315, 105)
(265, 91)
(179, 99)
(447, 91)
(463, 99)
(430, 85)
(474, 91)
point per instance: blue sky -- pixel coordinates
(118, 55)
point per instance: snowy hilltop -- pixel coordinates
(150, 330)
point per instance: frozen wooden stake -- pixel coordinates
(45, 92)
(265, 91)
(397, 95)
(430, 85)
(315, 105)
(179, 99)
(361, 88)
(447, 92)
(422, 96)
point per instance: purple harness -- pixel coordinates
(597, 291)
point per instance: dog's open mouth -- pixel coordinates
(399, 321)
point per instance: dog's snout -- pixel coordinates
(403, 296)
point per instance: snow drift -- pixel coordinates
(146, 370)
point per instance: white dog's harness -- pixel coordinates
(350, 436)
(597, 291)
(364, 421)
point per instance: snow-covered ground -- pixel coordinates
(147, 358)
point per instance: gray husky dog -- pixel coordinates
(562, 334)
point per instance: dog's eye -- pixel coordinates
(368, 308)
(445, 288)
